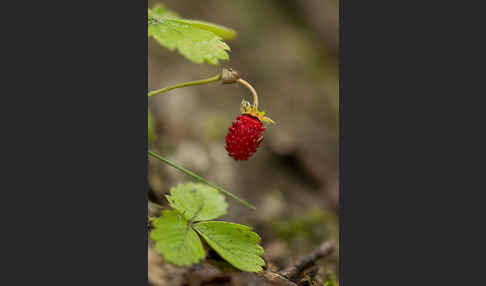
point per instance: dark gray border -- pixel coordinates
(77, 183)
(401, 105)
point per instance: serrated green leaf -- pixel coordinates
(236, 243)
(176, 240)
(222, 31)
(196, 40)
(197, 201)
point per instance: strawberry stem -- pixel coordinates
(253, 91)
(227, 76)
(189, 83)
(189, 173)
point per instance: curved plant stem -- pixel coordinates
(253, 91)
(189, 83)
(189, 173)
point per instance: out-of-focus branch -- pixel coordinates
(293, 271)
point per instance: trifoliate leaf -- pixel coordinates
(176, 240)
(236, 243)
(197, 201)
(196, 40)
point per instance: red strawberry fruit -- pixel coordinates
(244, 137)
(246, 133)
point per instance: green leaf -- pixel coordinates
(236, 243)
(176, 240)
(160, 9)
(196, 40)
(222, 31)
(197, 201)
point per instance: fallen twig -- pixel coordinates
(277, 279)
(292, 272)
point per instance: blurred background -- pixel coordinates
(288, 50)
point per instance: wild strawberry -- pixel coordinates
(246, 133)
(244, 137)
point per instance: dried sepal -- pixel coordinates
(247, 108)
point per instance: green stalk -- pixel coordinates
(189, 173)
(189, 83)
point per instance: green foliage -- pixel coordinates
(175, 237)
(160, 9)
(222, 31)
(197, 201)
(236, 243)
(175, 233)
(198, 41)
(176, 240)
